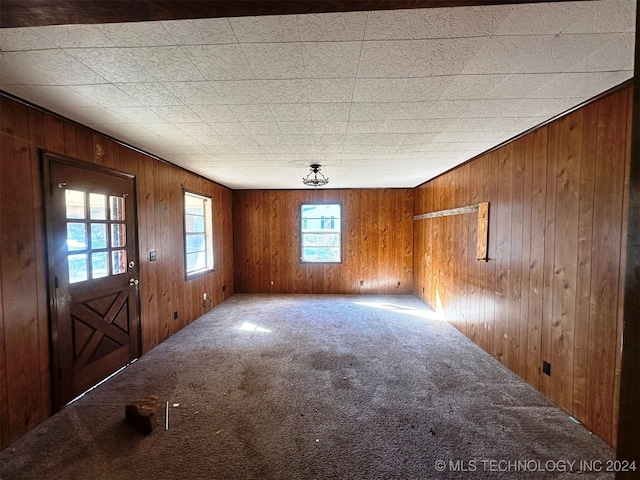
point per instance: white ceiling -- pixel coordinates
(380, 98)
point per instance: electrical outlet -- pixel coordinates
(362, 283)
(175, 315)
(153, 255)
(205, 296)
(224, 287)
(546, 368)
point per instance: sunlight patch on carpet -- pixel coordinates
(414, 312)
(251, 327)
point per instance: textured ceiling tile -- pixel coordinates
(195, 129)
(47, 67)
(402, 126)
(176, 114)
(214, 113)
(425, 88)
(52, 96)
(471, 21)
(446, 56)
(401, 24)
(330, 90)
(69, 36)
(466, 137)
(240, 140)
(490, 107)
(240, 92)
(330, 112)
(105, 94)
(409, 110)
(388, 59)
(220, 62)
(112, 64)
(364, 127)
(543, 18)
(338, 27)
(284, 91)
(605, 16)
(137, 114)
(616, 54)
(212, 139)
(262, 128)
(274, 60)
(448, 109)
(331, 59)
(520, 85)
(277, 28)
(97, 117)
(167, 132)
(149, 94)
(329, 127)
(229, 128)
(537, 107)
(579, 85)
(329, 139)
(471, 86)
(210, 31)
(14, 39)
(140, 34)
(377, 89)
(169, 64)
(419, 138)
(195, 93)
(291, 112)
(300, 140)
(386, 139)
(252, 113)
(296, 128)
(368, 112)
(275, 139)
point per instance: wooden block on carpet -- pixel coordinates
(142, 413)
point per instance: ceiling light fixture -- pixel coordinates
(315, 181)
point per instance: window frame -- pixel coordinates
(300, 233)
(209, 243)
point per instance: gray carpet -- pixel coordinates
(313, 387)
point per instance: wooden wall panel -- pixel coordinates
(551, 287)
(25, 382)
(377, 242)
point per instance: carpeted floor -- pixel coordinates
(314, 387)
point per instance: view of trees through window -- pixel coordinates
(321, 232)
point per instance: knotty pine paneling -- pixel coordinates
(25, 383)
(377, 242)
(551, 290)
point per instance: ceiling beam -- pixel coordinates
(33, 13)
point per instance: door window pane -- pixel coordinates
(76, 236)
(118, 235)
(77, 268)
(97, 206)
(117, 208)
(98, 236)
(118, 262)
(99, 265)
(74, 203)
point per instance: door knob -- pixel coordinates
(133, 281)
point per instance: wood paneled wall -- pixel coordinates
(377, 248)
(552, 288)
(25, 384)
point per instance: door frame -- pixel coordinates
(53, 321)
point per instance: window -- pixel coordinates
(198, 234)
(320, 233)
